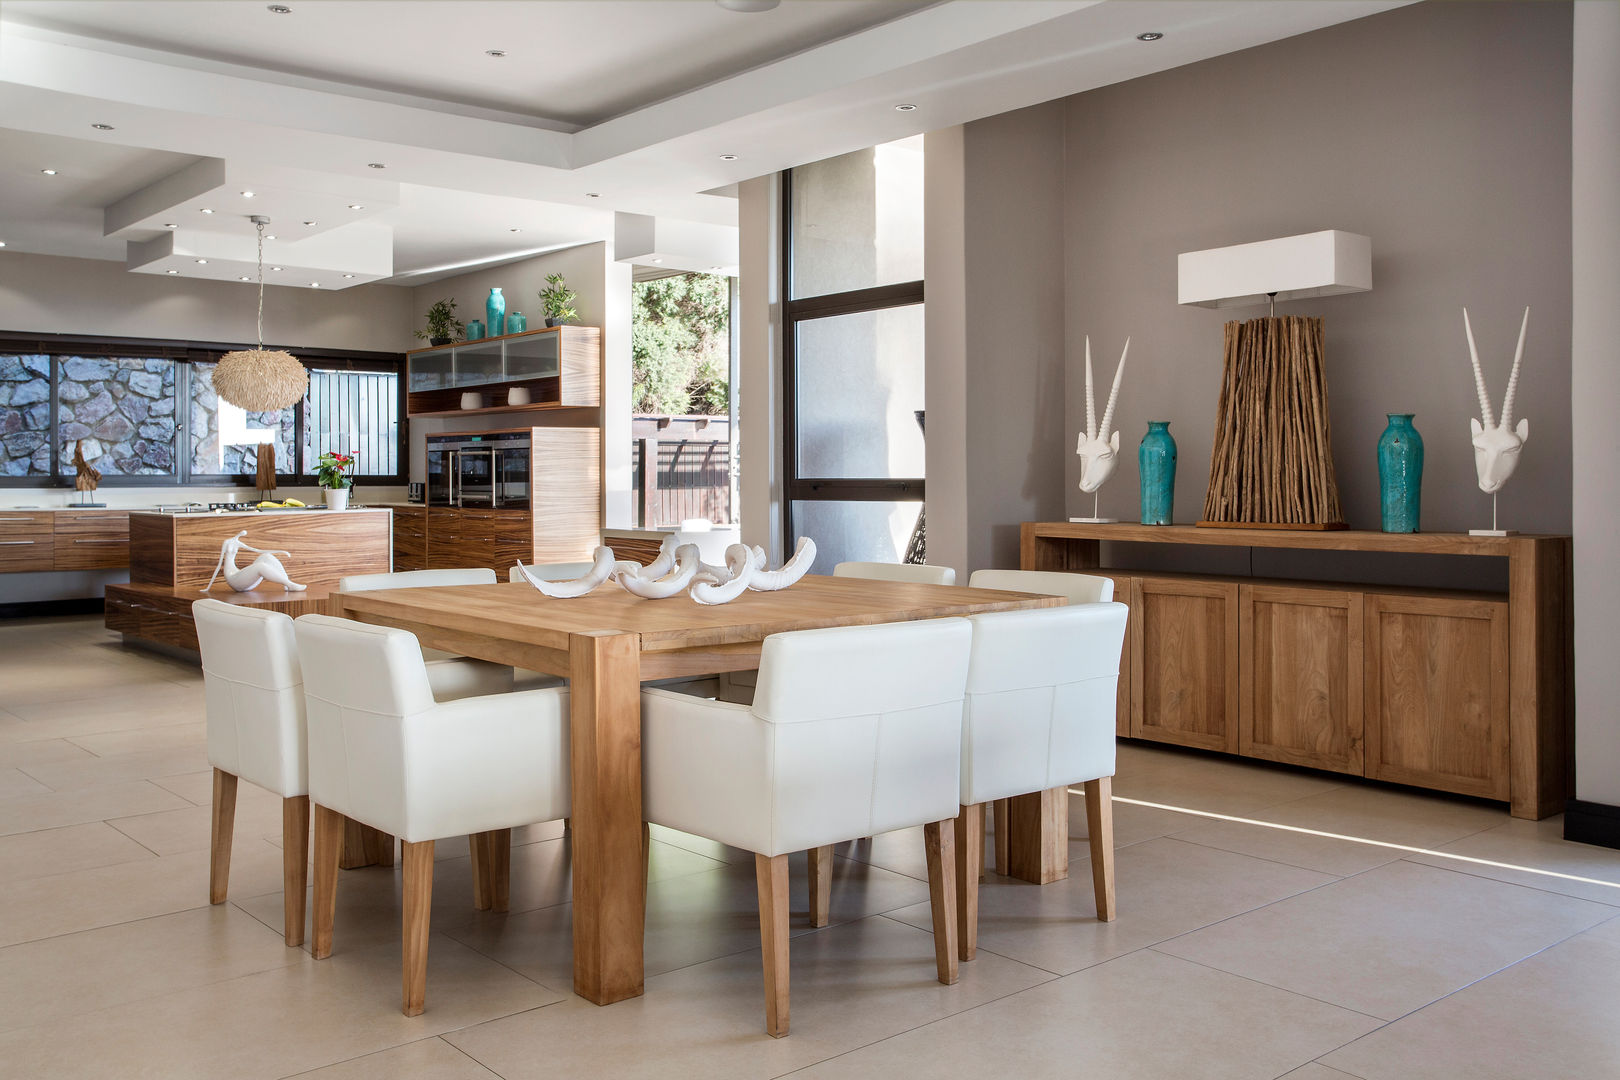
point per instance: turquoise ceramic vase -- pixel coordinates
(475, 330)
(495, 313)
(1157, 459)
(517, 323)
(1400, 474)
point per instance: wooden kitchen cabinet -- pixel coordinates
(1437, 670)
(1184, 661)
(1300, 682)
(90, 539)
(410, 538)
(26, 541)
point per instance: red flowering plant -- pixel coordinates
(335, 470)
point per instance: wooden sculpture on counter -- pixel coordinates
(264, 464)
(88, 477)
(247, 578)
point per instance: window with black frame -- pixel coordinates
(853, 354)
(145, 413)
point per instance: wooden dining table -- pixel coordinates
(606, 643)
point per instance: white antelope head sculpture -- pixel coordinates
(1099, 443)
(1496, 443)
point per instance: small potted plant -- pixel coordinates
(335, 474)
(442, 325)
(557, 299)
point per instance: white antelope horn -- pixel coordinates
(1513, 377)
(1113, 395)
(601, 570)
(791, 571)
(1091, 396)
(1485, 416)
(686, 566)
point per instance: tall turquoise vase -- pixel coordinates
(1157, 459)
(495, 313)
(1400, 474)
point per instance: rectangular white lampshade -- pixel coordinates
(1294, 267)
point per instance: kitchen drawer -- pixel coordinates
(91, 540)
(25, 542)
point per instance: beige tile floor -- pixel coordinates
(1241, 950)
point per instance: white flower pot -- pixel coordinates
(337, 498)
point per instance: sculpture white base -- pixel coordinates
(1493, 532)
(1095, 521)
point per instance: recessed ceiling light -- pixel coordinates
(309, 223)
(103, 127)
(593, 194)
(269, 237)
(202, 262)
(275, 268)
(514, 230)
(376, 165)
(348, 275)
(906, 107)
(247, 194)
(205, 210)
(173, 271)
(728, 157)
(659, 261)
(314, 284)
(278, 9)
(1151, 35)
(356, 206)
(244, 279)
(48, 172)
(496, 53)
(170, 225)
(748, 7)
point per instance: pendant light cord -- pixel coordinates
(260, 226)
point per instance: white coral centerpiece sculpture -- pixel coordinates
(678, 568)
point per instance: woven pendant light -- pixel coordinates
(260, 380)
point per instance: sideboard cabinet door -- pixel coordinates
(1437, 692)
(1184, 662)
(1301, 679)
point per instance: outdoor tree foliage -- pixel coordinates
(678, 345)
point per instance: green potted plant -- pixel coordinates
(442, 325)
(335, 474)
(557, 299)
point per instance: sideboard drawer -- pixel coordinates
(91, 540)
(25, 542)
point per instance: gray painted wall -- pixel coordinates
(1596, 386)
(1441, 131)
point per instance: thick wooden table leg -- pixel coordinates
(499, 855)
(1100, 830)
(609, 904)
(821, 863)
(1000, 807)
(223, 825)
(1038, 836)
(294, 866)
(969, 865)
(365, 846)
(940, 839)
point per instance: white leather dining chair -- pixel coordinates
(384, 752)
(854, 731)
(1040, 696)
(1076, 589)
(883, 571)
(253, 689)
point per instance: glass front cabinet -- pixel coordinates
(556, 367)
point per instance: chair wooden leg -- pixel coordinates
(940, 837)
(478, 845)
(771, 876)
(294, 866)
(384, 843)
(414, 940)
(498, 861)
(328, 850)
(223, 825)
(1000, 806)
(1100, 827)
(821, 864)
(969, 864)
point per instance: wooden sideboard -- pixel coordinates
(1457, 691)
(63, 539)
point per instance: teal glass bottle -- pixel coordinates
(517, 323)
(475, 330)
(1400, 474)
(495, 313)
(1157, 460)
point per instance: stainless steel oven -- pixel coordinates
(489, 470)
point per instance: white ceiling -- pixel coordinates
(649, 105)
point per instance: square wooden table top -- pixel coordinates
(513, 623)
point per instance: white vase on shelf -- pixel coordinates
(337, 498)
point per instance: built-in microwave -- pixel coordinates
(480, 470)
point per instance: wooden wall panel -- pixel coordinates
(567, 493)
(1301, 676)
(1184, 661)
(1437, 693)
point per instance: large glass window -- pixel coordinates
(353, 412)
(25, 415)
(853, 448)
(227, 440)
(122, 408)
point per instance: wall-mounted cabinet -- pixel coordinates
(559, 366)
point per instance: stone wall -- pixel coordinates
(123, 409)
(25, 422)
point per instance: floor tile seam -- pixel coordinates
(1269, 859)
(1260, 907)
(1318, 1061)
(112, 823)
(500, 963)
(357, 1057)
(1380, 1020)
(1002, 956)
(469, 1056)
(48, 789)
(1261, 823)
(82, 869)
(116, 922)
(1417, 860)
